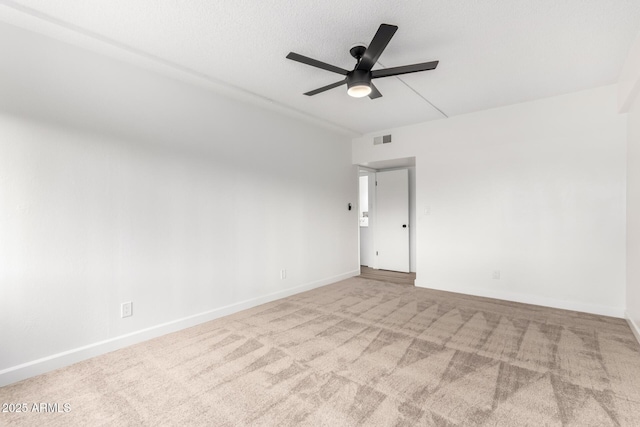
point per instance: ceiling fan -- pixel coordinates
(358, 80)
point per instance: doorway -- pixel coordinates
(366, 216)
(370, 235)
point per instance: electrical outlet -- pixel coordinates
(496, 274)
(283, 274)
(126, 310)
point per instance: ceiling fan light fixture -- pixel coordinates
(359, 83)
(359, 91)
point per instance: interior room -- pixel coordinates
(201, 223)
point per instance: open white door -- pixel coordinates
(392, 220)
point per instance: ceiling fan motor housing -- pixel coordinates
(358, 78)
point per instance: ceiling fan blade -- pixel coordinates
(377, 46)
(375, 93)
(316, 63)
(405, 69)
(325, 88)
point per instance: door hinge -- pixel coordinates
(376, 183)
(376, 253)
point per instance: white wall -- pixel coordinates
(534, 190)
(629, 100)
(117, 185)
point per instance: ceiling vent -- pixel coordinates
(383, 139)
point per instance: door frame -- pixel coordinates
(370, 172)
(413, 251)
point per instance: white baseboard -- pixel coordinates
(533, 300)
(633, 325)
(66, 358)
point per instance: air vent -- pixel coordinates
(383, 139)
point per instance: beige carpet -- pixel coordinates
(359, 352)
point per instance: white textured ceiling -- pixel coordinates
(491, 53)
